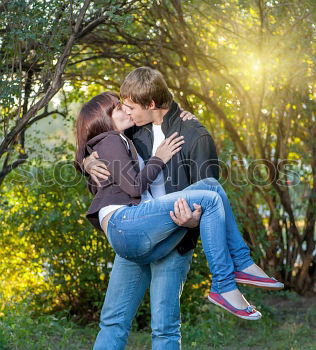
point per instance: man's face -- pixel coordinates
(139, 114)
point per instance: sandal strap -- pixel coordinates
(251, 308)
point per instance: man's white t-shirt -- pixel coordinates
(158, 186)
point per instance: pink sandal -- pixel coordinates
(259, 282)
(249, 313)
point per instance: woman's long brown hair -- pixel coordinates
(94, 118)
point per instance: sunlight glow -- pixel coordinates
(256, 66)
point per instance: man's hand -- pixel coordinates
(96, 168)
(183, 216)
(185, 115)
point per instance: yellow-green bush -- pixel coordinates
(51, 256)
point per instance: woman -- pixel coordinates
(137, 227)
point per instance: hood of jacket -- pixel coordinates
(92, 142)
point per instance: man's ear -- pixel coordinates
(152, 105)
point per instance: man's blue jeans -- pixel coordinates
(126, 289)
(166, 277)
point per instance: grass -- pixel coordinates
(19, 331)
(289, 323)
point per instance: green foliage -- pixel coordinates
(51, 256)
(19, 329)
(31, 37)
(288, 323)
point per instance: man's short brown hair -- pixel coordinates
(144, 85)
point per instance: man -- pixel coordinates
(148, 101)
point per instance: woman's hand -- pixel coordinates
(185, 115)
(169, 147)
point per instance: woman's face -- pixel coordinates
(122, 121)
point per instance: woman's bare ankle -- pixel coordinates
(255, 270)
(236, 299)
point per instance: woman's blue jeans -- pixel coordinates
(136, 231)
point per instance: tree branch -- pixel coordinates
(218, 111)
(54, 86)
(3, 5)
(44, 115)
(7, 169)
